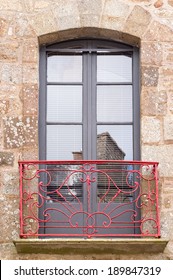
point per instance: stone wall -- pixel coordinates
(26, 24)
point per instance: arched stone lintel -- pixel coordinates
(89, 32)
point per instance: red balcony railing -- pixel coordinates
(89, 199)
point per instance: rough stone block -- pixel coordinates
(168, 54)
(8, 252)
(12, 5)
(8, 51)
(12, 106)
(168, 127)
(167, 224)
(44, 22)
(4, 106)
(19, 132)
(30, 73)
(167, 202)
(158, 4)
(9, 224)
(168, 186)
(10, 183)
(153, 102)
(30, 51)
(67, 22)
(137, 21)
(161, 153)
(159, 32)
(151, 53)
(170, 2)
(87, 20)
(120, 10)
(90, 7)
(6, 158)
(11, 73)
(151, 130)
(112, 23)
(170, 101)
(23, 28)
(3, 26)
(150, 75)
(29, 97)
(67, 8)
(165, 77)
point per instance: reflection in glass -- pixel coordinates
(114, 142)
(64, 103)
(62, 141)
(64, 68)
(114, 68)
(114, 103)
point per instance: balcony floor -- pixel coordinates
(91, 246)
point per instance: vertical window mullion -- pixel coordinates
(94, 106)
(85, 107)
(136, 105)
(42, 104)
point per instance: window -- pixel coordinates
(89, 94)
(89, 110)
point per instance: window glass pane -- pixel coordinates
(63, 141)
(114, 142)
(64, 103)
(64, 68)
(114, 103)
(114, 68)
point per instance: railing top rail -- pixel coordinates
(134, 162)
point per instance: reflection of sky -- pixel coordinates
(64, 103)
(64, 68)
(62, 140)
(114, 68)
(114, 103)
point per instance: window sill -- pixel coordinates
(91, 246)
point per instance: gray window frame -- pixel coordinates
(89, 49)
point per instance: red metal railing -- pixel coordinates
(88, 199)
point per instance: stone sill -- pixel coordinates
(90, 246)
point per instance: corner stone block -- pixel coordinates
(151, 53)
(150, 76)
(151, 130)
(154, 102)
(29, 96)
(19, 132)
(161, 153)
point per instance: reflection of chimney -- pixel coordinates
(77, 155)
(107, 148)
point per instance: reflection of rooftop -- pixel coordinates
(107, 149)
